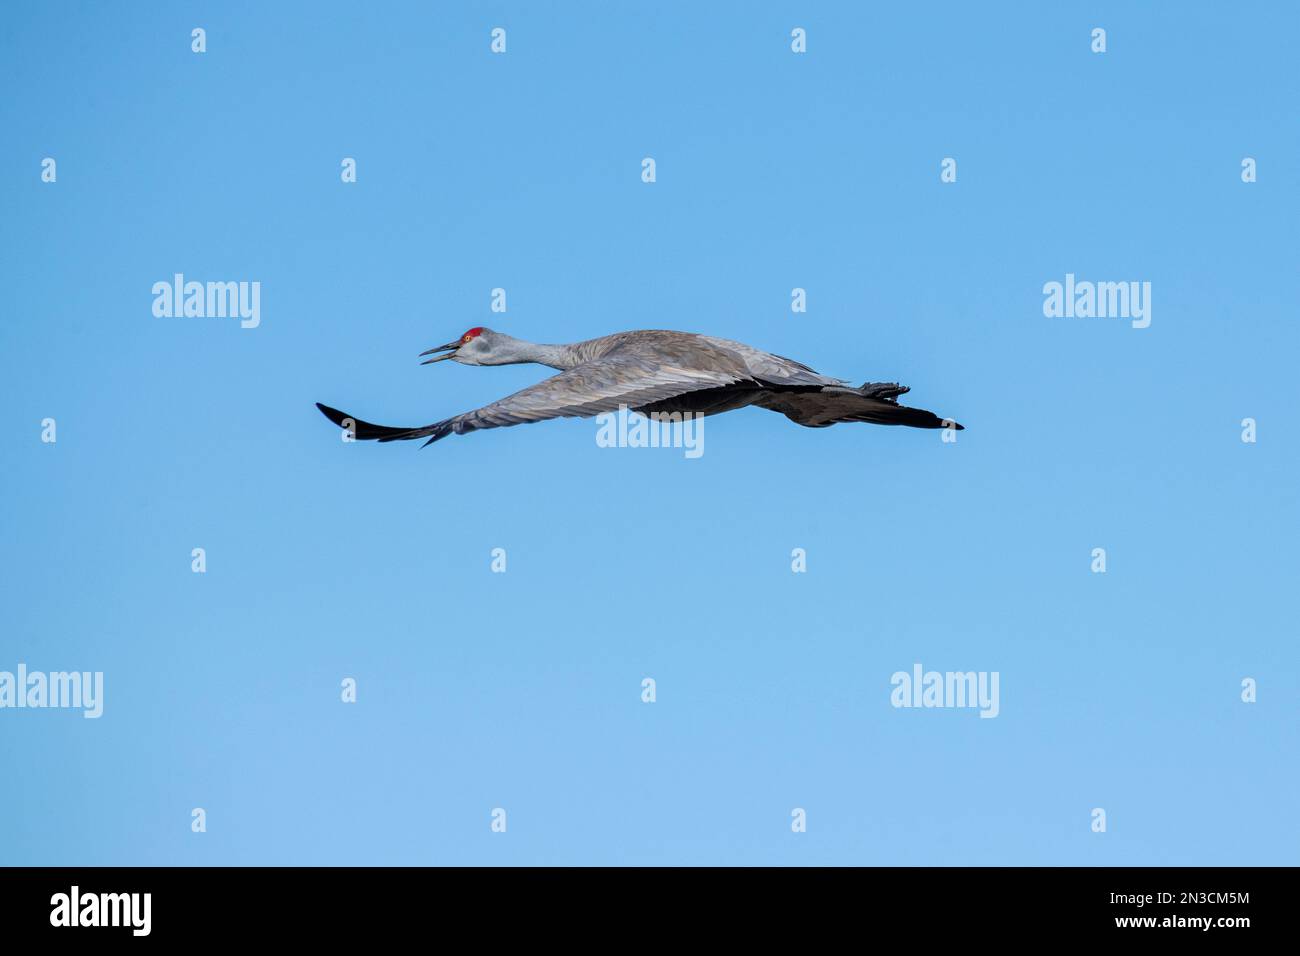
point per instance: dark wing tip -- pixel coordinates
(438, 430)
(368, 431)
(333, 414)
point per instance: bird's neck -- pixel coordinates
(555, 356)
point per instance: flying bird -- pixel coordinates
(651, 372)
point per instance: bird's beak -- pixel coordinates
(452, 346)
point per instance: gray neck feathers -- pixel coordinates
(555, 356)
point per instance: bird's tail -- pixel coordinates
(368, 431)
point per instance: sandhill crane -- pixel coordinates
(651, 372)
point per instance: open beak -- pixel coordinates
(450, 348)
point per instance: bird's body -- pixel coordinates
(652, 372)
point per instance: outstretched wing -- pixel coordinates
(873, 402)
(580, 392)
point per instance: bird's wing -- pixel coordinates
(580, 392)
(873, 403)
(772, 368)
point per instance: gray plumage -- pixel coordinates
(651, 372)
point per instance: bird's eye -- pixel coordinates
(467, 338)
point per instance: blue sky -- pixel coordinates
(522, 690)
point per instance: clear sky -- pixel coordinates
(523, 690)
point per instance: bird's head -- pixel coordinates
(477, 346)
